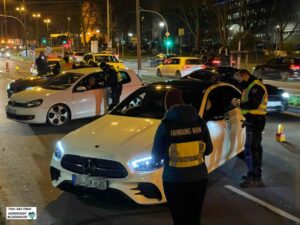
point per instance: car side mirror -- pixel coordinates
(81, 89)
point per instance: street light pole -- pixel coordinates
(138, 35)
(5, 21)
(37, 16)
(108, 24)
(167, 29)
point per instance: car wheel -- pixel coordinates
(284, 76)
(158, 73)
(178, 73)
(58, 115)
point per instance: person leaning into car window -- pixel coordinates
(91, 83)
(181, 141)
(253, 106)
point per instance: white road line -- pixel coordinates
(265, 204)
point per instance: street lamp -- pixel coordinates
(161, 25)
(47, 21)
(37, 16)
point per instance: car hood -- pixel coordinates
(33, 94)
(112, 137)
(31, 80)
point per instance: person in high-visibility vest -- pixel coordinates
(253, 106)
(181, 141)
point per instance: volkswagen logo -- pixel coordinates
(89, 167)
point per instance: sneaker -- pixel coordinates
(249, 183)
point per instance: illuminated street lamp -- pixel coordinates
(36, 16)
(161, 25)
(47, 21)
(130, 34)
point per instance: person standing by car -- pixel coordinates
(181, 141)
(253, 106)
(42, 64)
(114, 81)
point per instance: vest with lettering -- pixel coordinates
(187, 147)
(262, 109)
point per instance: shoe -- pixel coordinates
(250, 182)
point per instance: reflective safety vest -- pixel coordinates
(262, 108)
(187, 148)
(186, 154)
(119, 75)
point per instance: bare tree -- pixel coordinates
(285, 13)
(88, 18)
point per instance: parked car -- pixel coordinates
(4, 54)
(76, 57)
(179, 66)
(67, 97)
(91, 160)
(159, 59)
(282, 68)
(94, 59)
(278, 98)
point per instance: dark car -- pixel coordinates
(159, 59)
(278, 98)
(216, 60)
(27, 82)
(282, 68)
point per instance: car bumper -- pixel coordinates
(276, 106)
(26, 115)
(133, 186)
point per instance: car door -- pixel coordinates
(92, 102)
(165, 67)
(87, 58)
(174, 66)
(130, 83)
(224, 123)
(272, 68)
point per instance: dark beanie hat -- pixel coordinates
(173, 97)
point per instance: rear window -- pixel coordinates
(192, 61)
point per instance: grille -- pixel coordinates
(94, 167)
(16, 104)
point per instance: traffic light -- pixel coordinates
(44, 41)
(168, 43)
(64, 42)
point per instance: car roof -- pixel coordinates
(88, 70)
(194, 84)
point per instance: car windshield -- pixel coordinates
(105, 58)
(148, 102)
(62, 81)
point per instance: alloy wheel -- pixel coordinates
(58, 115)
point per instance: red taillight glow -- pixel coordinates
(295, 67)
(186, 66)
(216, 62)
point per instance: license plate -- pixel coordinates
(10, 110)
(90, 182)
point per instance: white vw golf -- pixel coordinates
(67, 96)
(112, 154)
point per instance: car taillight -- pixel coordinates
(186, 66)
(294, 67)
(216, 62)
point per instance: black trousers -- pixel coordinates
(116, 92)
(185, 200)
(253, 149)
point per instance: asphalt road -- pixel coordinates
(26, 151)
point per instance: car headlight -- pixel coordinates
(285, 95)
(7, 54)
(59, 151)
(9, 85)
(145, 164)
(34, 103)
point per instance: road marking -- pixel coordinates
(265, 204)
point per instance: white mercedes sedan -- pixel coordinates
(113, 153)
(67, 96)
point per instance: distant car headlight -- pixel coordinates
(34, 103)
(285, 95)
(59, 150)
(145, 164)
(7, 54)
